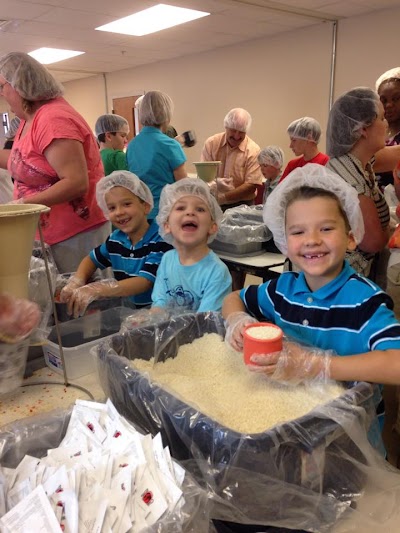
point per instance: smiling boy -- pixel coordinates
(190, 277)
(315, 217)
(133, 250)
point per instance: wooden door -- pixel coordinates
(125, 107)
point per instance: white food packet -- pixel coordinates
(92, 515)
(34, 509)
(148, 495)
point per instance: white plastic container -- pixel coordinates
(78, 337)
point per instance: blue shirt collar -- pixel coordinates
(327, 290)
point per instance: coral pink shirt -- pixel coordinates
(33, 174)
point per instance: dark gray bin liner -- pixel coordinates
(303, 473)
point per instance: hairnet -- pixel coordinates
(306, 128)
(138, 101)
(155, 109)
(271, 155)
(29, 78)
(126, 179)
(318, 176)
(12, 130)
(185, 187)
(238, 119)
(109, 123)
(349, 114)
(389, 75)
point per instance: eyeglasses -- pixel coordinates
(2, 85)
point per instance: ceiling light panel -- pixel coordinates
(47, 56)
(151, 20)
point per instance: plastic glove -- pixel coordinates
(145, 317)
(18, 318)
(234, 326)
(15, 202)
(73, 283)
(213, 187)
(221, 198)
(83, 296)
(294, 364)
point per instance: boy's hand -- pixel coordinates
(83, 296)
(74, 283)
(294, 364)
(234, 326)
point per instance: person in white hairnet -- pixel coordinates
(191, 277)
(157, 159)
(270, 159)
(239, 172)
(356, 131)
(55, 161)
(134, 249)
(315, 217)
(112, 133)
(304, 134)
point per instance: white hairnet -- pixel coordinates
(390, 75)
(320, 177)
(109, 124)
(271, 155)
(29, 78)
(186, 187)
(350, 113)
(238, 119)
(138, 101)
(12, 130)
(155, 109)
(306, 128)
(126, 179)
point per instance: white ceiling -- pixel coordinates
(70, 24)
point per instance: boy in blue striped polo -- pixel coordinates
(134, 249)
(315, 217)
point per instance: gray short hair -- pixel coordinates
(238, 119)
(29, 78)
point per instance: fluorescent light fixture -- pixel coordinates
(154, 19)
(52, 55)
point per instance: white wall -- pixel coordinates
(277, 79)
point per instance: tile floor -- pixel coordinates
(49, 393)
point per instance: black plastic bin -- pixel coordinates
(300, 474)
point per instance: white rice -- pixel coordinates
(263, 332)
(213, 379)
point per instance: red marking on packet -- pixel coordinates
(147, 497)
(117, 434)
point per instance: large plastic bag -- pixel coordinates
(301, 474)
(243, 224)
(36, 434)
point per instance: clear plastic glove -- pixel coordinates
(15, 202)
(221, 198)
(294, 364)
(18, 318)
(83, 296)
(234, 326)
(73, 283)
(145, 317)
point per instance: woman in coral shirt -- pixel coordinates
(54, 160)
